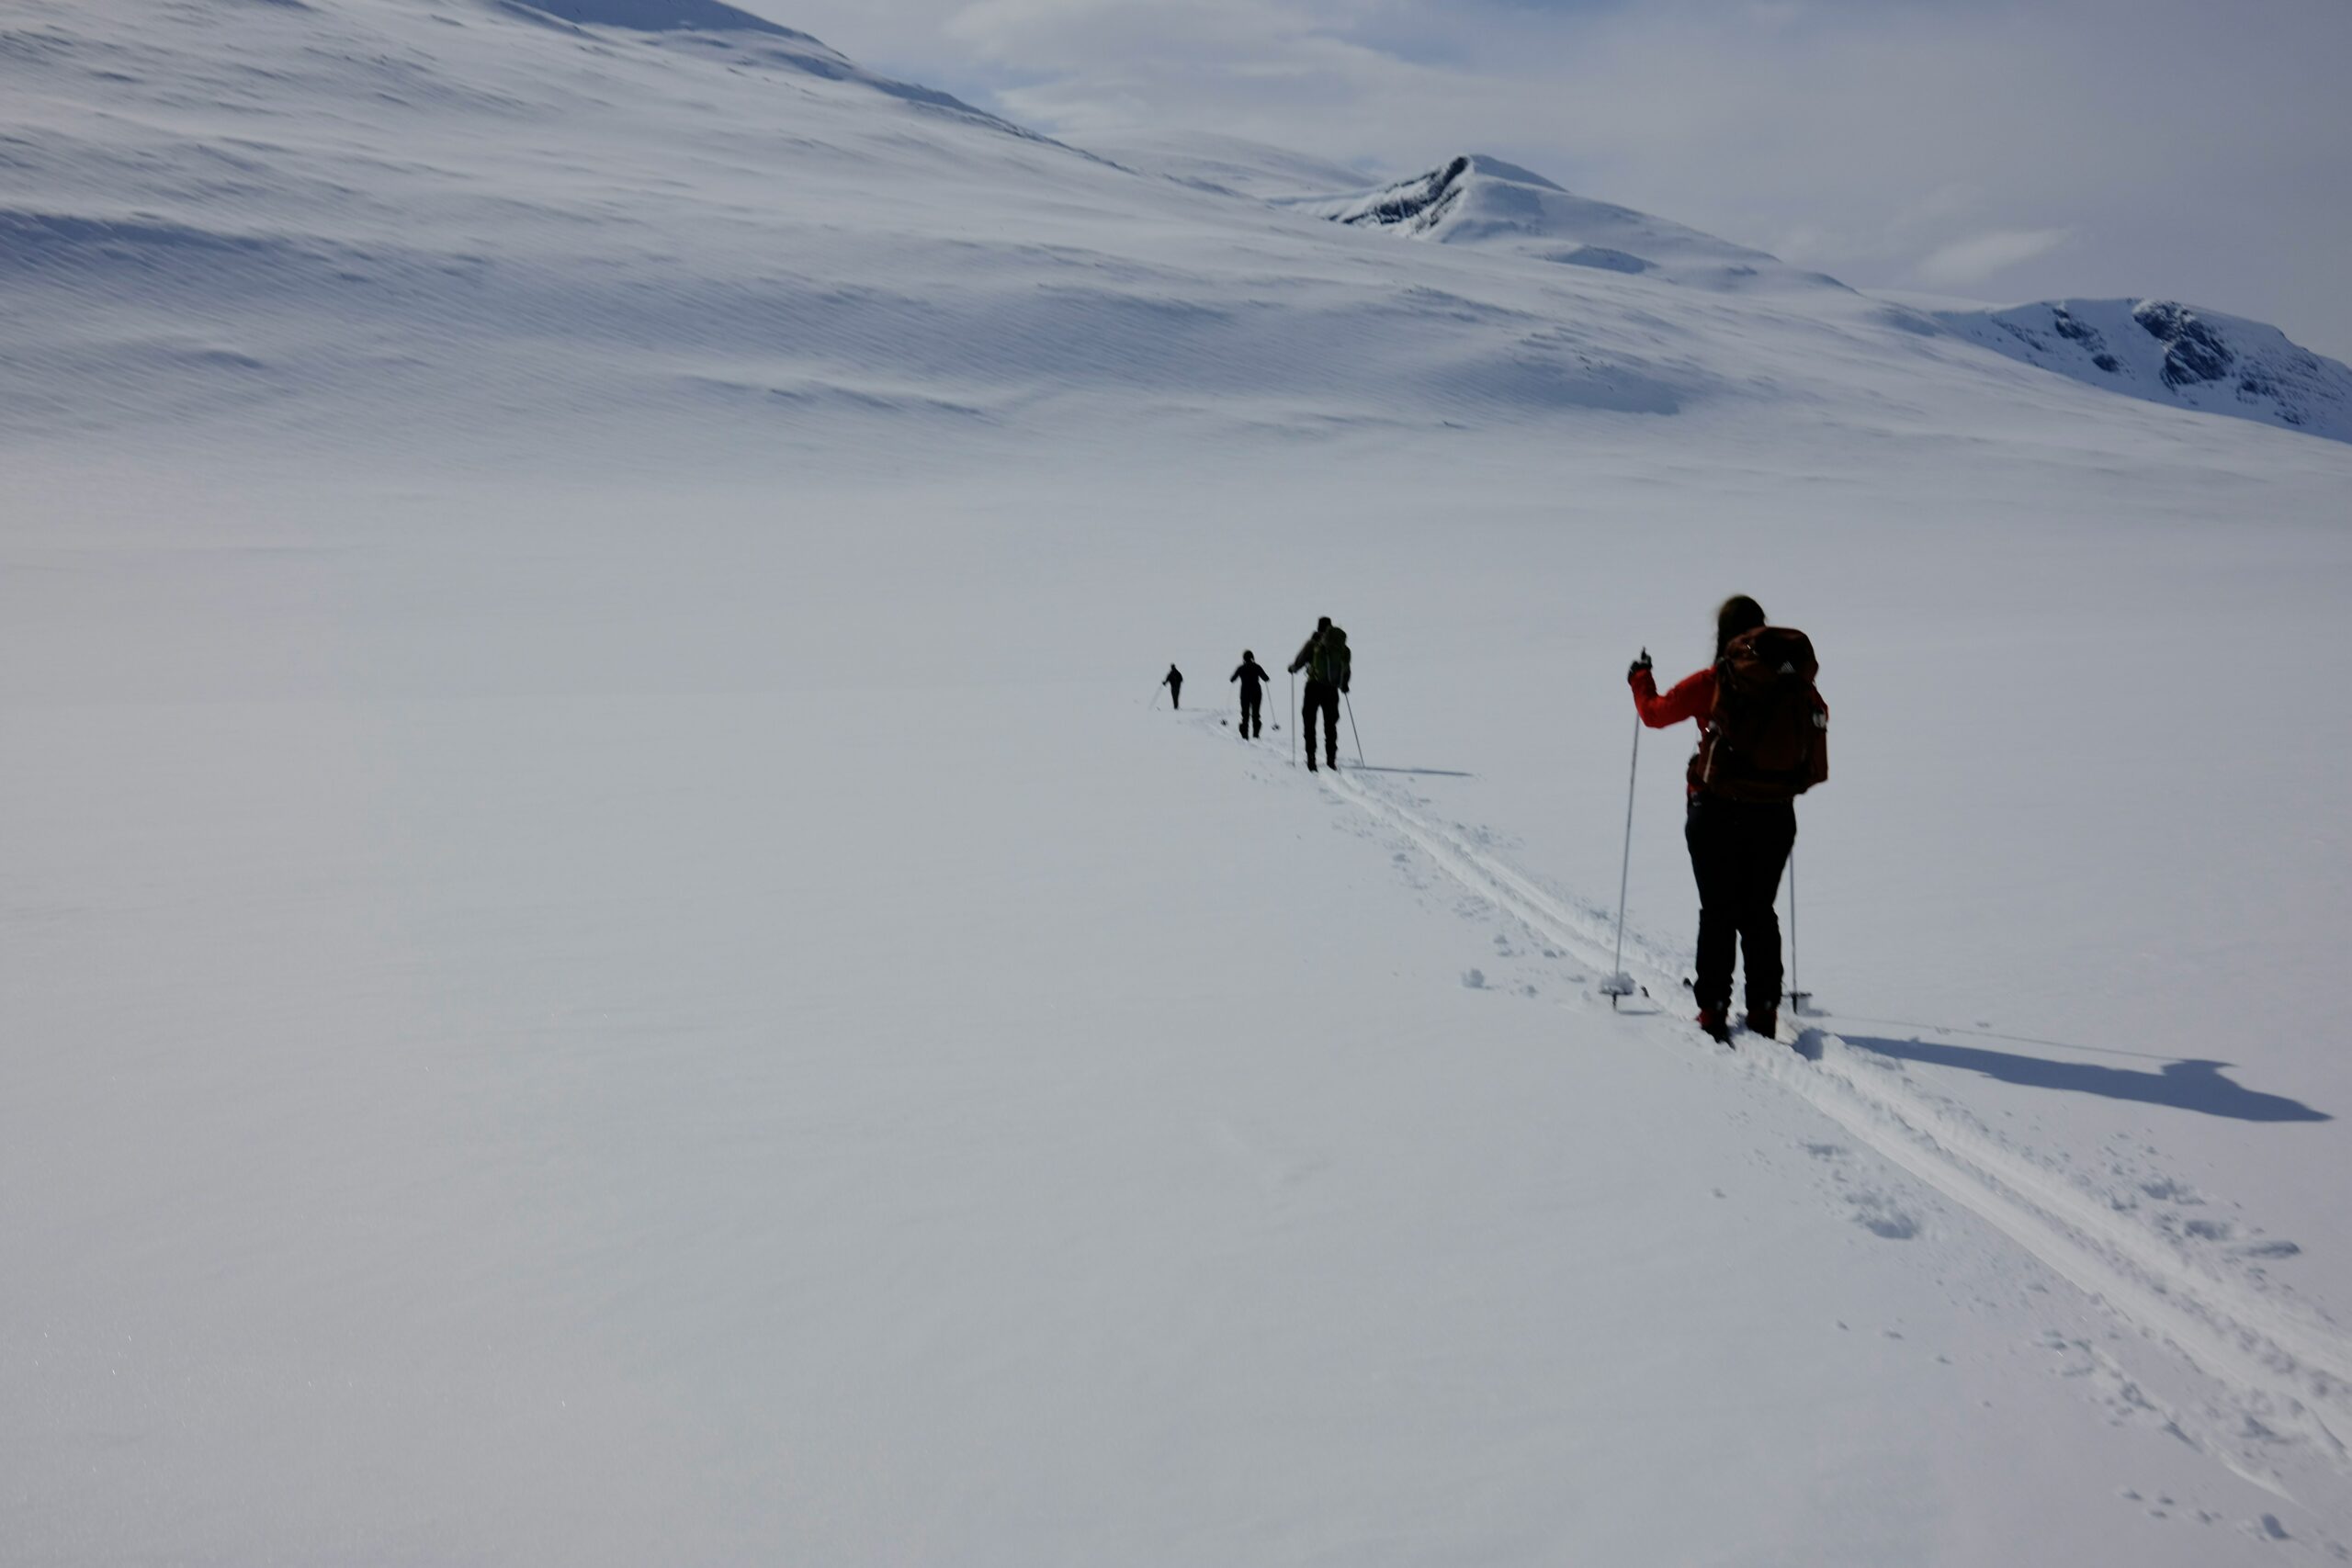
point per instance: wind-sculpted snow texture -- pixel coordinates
(2166, 352)
(604, 958)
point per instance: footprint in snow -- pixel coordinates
(1883, 1216)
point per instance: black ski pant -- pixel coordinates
(1738, 848)
(1323, 697)
(1253, 712)
(1175, 694)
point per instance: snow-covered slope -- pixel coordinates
(497, 214)
(736, 35)
(2155, 349)
(2168, 353)
(1476, 199)
(1230, 164)
(603, 960)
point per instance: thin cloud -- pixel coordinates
(1966, 262)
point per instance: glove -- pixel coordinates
(1343, 685)
(1639, 665)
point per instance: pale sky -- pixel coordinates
(2195, 149)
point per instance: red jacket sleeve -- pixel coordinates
(1694, 696)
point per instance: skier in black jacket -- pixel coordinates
(1174, 682)
(1253, 679)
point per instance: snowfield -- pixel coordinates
(607, 958)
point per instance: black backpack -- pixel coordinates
(1329, 664)
(1768, 739)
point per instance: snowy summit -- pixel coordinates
(1475, 199)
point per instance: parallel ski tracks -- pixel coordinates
(2290, 1375)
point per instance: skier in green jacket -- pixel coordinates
(1324, 656)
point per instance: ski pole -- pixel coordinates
(1798, 997)
(1294, 718)
(1352, 728)
(1619, 983)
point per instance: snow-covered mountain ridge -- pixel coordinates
(2159, 351)
(1478, 199)
(350, 217)
(348, 220)
(2166, 352)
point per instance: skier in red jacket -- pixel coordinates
(1740, 825)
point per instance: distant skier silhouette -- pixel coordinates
(1174, 682)
(1253, 679)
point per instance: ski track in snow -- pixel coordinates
(2290, 1374)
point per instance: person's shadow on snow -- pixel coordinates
(2192, 1085)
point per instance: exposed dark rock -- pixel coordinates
(2193, 355)
(2197, 359)
(1419, 202)
(2064, 323)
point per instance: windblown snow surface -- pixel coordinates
(606, 959)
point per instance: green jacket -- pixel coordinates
(1325, 657)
